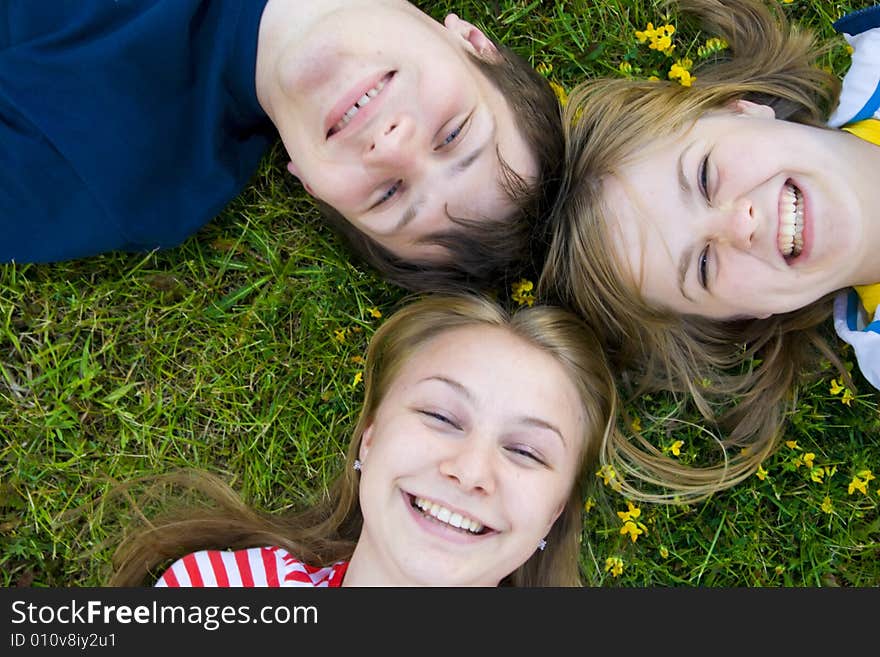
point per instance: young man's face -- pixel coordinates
(386, 118)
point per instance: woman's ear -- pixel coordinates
(366, 443)
(472, 37)
(748, 108)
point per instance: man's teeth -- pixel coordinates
(443, 514)
(791, 224)
(354, 109)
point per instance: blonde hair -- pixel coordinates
(608, 122)
(329, 531)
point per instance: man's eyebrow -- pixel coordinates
(686, 195)
(456, 168)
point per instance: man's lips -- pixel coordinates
(359, 103)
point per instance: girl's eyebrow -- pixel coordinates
(528, 420)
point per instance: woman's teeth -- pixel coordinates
(354, 109)
(791, 224)
(444, 515)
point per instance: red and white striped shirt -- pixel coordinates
(254, 567)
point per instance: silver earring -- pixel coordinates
(542, 544)
(357, 465)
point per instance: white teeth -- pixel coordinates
(363, 100)
(444, 515)
(790, 238)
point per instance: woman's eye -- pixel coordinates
(441, 418)
(703, 268)
(527, 452)
(703, 176)
(391, 191)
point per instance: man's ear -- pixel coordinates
(291, 168)
(473, 38)
(748, 108)
(366, 443)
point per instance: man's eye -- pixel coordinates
(391, 191)
(703, 177)
(703, 268)
(455, 134)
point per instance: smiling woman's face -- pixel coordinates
(739, 215)
(469, 460)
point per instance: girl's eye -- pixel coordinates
(528, 453)
(391, 191)
(703, 268)
(441, 418)
(703, 177)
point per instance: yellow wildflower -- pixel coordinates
(836, 387)
(809, 457)
(827, 507)
(607, 473)
(866, 475)
(615, 565)
(625, 67)
(636, 425)
(849, 49)
(675, 448)
(761, 473)
(375, 312)
(634, 529)
(339, 335)
(648, 32)
(357, 378)
(817, 475)
(664, 552)
(544, 68)
(561, 94)
(633, 512)
(358, 360)
(792, 444)
(711, 46)
(522, 292)
(589, 505)
(847, 397)
(653, 78)
(858, 484)
(680, 71)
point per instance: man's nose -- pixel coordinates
(393, 143)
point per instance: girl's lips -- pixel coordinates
(351, 97)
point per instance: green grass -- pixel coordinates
(238, 351)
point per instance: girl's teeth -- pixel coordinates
(446, 516)
(791, 228)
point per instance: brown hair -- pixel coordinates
(607, 122)
(487, 252)
(327, 532)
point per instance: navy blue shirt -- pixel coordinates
(124, 124)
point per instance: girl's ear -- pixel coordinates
(472, 37)
(366, 443)
(748, 108)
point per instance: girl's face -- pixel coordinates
(742, 215)
(469, 460)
